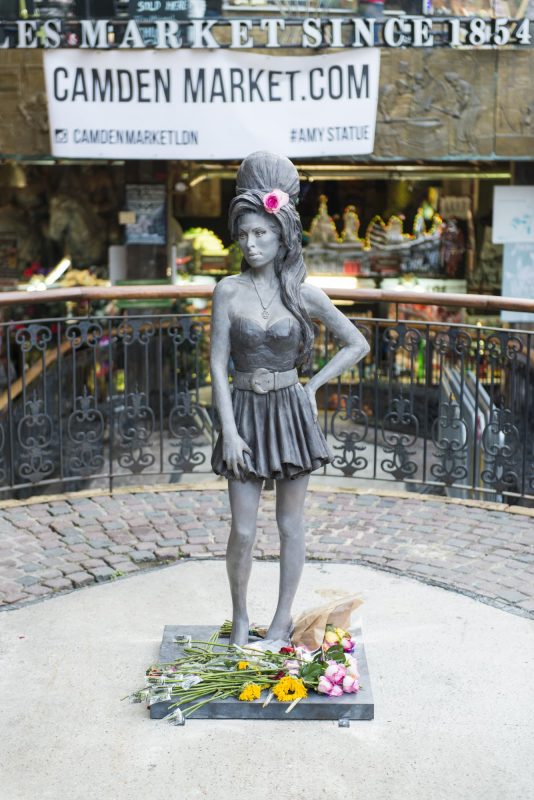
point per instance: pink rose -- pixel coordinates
(324, 686)
(275, 200)
(335, 672)
(352, 667)
(348, 644)
(350, 684)
(327, 687)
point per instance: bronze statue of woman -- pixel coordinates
(262, 320)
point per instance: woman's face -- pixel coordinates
(258, 238)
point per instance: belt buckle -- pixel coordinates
(259, 381)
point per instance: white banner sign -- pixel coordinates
(210, 104)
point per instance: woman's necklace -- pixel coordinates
(265, 308)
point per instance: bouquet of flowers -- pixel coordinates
(212, 670)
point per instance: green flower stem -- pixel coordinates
(219, 696)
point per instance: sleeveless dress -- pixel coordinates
(279, 427)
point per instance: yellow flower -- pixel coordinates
(243, 665)
(288, 689)
(250, 692)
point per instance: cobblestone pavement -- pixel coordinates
(75, 540)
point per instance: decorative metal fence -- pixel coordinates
(102, 401)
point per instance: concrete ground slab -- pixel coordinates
(452, 683)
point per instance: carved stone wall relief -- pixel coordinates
(434, 104)
(514, 126)
(24, 117)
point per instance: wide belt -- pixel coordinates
(262, 380)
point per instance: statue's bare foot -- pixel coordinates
(280, 630)
(239, 634)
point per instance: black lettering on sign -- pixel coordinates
(79, 88)
(315, 95)
(236, 84)
(163, 82)
(194, 93)
(335, 82)
(102, 89)
(142, 85)
(253, 85)
(125, 86)
(359, 86)
(274, 84)
(217, 86)
(60, 97)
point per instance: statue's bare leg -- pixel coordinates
(290, 496)
(244, 502)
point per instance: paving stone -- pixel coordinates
(38, 590)
(27, 580)
(172, 542)
(80, 579)
(192, 549)
(511, 595)
(140, 556)
(113, 525)
(57, 509)
(98, 552)
(328, 540)
(100, 543)
(80, 548)
(101, 573)
(55, 551)
(113, 560)
(93, 563)
(68, 569)
(126, 567)
(48, 574)
(58, 584)
(120, 548)
(165, 553)
(14, 597)
(142, 546)
(73, 539)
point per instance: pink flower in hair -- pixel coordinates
(275, 200)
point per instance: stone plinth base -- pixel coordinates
(348, 707)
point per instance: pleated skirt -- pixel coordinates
(279, 428)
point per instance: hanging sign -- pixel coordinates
(513, 214)
(269, 32)
(147, 205)
(220, 105)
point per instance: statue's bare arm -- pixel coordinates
(354, 345)
(233, 444)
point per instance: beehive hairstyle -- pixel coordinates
(259, 174)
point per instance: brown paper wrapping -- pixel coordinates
(310, 625)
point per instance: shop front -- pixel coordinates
(119, 151)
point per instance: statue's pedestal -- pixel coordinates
(345, 708)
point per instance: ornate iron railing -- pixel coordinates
(99, 401)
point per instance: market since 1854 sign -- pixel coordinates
(313, 33)
(214, 104)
